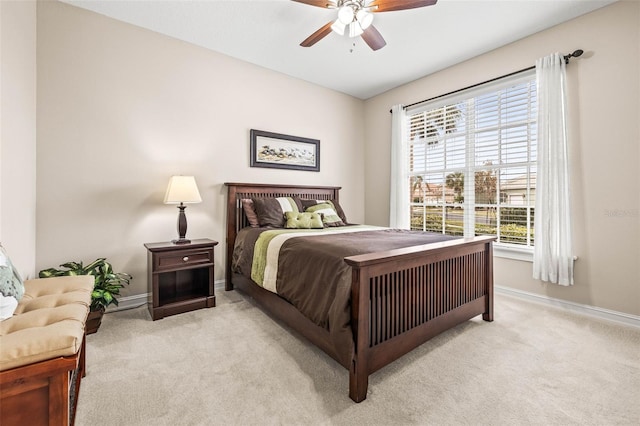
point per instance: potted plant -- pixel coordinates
(105, 289)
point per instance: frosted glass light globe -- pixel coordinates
(345, 15)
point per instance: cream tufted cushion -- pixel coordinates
(48, 322)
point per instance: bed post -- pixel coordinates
(231, 233)
(359, 369)
(488, 279)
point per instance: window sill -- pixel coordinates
(507, 251)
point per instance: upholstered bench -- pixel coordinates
(42, 356)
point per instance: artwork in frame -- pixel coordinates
(278, 151)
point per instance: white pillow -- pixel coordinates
(8, 305)
(10, 281)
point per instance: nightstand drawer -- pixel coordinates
(184, 259)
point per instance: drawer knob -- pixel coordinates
(186, 258)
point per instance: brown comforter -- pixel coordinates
(313, 276)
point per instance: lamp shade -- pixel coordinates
(182, 189)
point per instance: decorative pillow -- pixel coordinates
(336, 206)
(8, 306)
(270, 211)
(250, 212)
(306, 220)
(329, 215)
(10, 282)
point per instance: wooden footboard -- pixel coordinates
(402, 298)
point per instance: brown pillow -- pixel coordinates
(270, 211)
(250, 212)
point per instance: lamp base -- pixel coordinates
(181, 241)
(182, 226)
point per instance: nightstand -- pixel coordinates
(180, 277)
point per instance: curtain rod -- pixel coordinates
(575, 54)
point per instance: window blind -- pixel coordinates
(472, 161)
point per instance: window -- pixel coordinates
(472, 161)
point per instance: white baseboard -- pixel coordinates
(129, 302)
(593, 311)
(134, 301)
(137, 300)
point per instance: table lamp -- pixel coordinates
(182, 190)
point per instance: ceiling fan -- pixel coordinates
(358, 16)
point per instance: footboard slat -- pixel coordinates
(411, 295)
(398, 299)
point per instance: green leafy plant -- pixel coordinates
(107, 282)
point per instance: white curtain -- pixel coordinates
(553, 250)
(399, 194)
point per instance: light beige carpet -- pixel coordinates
(234, 365)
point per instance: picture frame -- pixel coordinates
(279, 151)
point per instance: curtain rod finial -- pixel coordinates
(575, 54)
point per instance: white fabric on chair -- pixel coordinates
(8, 305)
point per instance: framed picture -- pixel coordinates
(277, 151)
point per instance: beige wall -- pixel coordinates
(18, 133)
(121, 109)
(604, 91)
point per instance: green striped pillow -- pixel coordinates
(334, 203)
(327, 211)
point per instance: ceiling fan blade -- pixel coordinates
(373, 38)
(317, 36)
(318, 3)
(391, 5)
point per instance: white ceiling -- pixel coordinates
(419, 41)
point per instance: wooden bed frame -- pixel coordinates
(399, 298)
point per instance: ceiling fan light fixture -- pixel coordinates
(346, 15)
(358, 15)
(355, 29)
(338, 27)
(364, 18)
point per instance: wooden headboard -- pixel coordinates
(237, 220)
